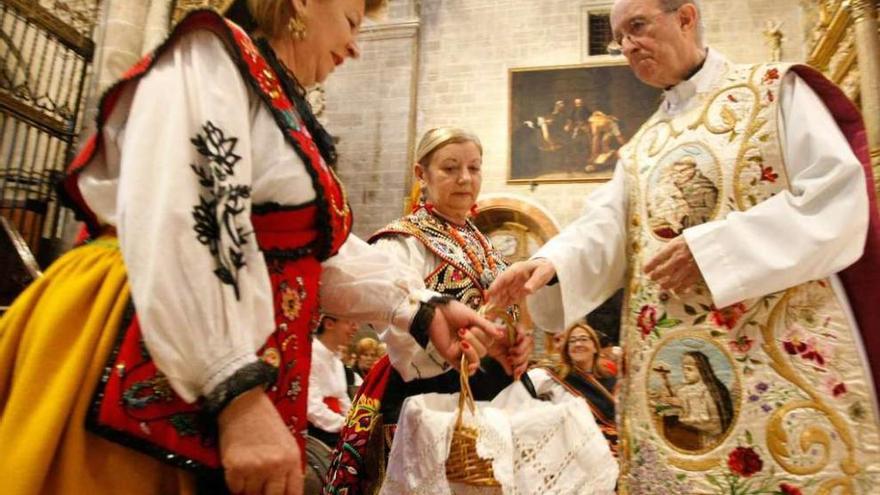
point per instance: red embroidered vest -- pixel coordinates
(133, 404)
(357, 463)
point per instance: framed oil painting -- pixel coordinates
(568, 123)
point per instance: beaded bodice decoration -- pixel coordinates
(469, 263)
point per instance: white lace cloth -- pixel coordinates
(536, 447)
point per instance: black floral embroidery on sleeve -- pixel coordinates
(220, 203)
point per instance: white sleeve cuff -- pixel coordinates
(546, 305)
(715, 264)
(404, 313)
(405, 354)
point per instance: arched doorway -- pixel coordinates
(516, 226)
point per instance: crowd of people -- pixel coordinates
(206, 327)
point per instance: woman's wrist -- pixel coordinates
(421, 322)
(241, 402)
(256, 375)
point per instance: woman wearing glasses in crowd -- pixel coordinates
(583, 373)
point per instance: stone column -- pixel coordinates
(864, 13)
(125, 31)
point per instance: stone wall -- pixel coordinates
(446, 62)
(370, 106)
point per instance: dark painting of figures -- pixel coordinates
(568, 123)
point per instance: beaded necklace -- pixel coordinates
(486, 276)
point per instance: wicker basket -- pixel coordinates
(463, 464)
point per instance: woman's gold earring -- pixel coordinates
(297, 27)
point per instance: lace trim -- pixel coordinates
(537, 448)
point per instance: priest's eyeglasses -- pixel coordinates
(638, 27)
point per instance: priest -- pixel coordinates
(742, 225)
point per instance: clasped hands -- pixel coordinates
(456, 329)
(259, 455)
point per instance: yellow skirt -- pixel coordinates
(54, 343)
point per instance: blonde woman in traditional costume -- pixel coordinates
(439, 243)
(172, 350)
(765, 272)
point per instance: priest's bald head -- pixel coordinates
(661, 39)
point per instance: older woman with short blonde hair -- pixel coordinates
(366, 352)
(439, 242)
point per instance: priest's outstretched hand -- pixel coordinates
(520, 280)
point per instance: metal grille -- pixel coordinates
(600, 33)
(43, 60)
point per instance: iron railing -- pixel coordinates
(45, 51)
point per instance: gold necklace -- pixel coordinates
(345, 209)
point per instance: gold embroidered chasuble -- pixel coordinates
(769, 395)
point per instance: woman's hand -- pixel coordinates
(259, 454)
(457, 329)
(513, 355)
(520, 280)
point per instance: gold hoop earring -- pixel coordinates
(297, 27)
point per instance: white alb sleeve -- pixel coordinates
(811, 231)
(589, 256)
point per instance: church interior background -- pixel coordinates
(427, 63)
